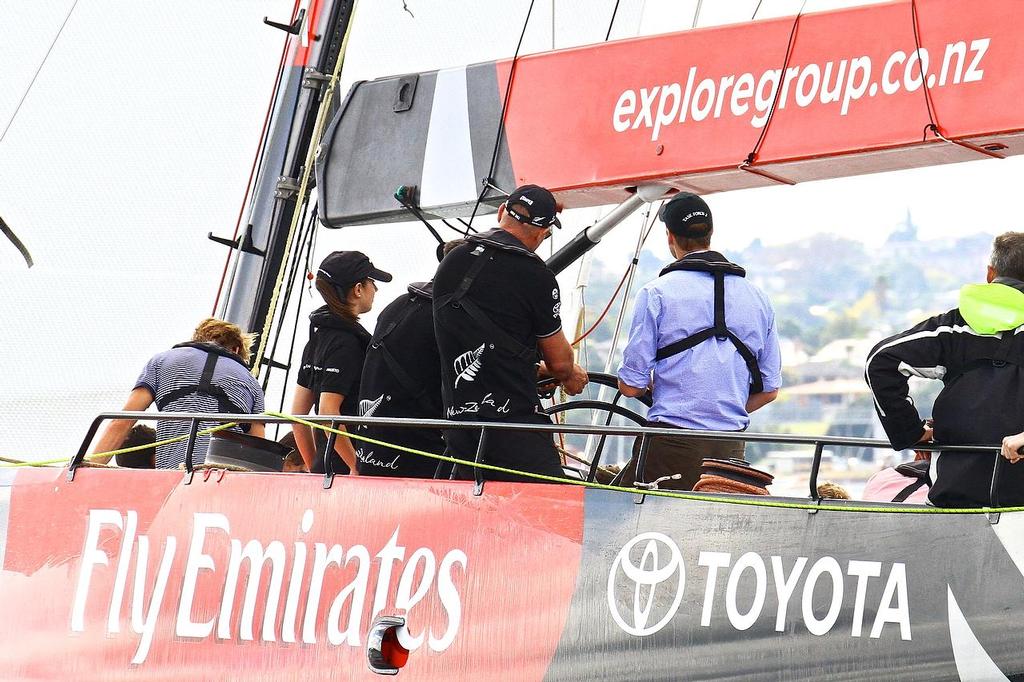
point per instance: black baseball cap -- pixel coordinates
(542, 205)
(683, 212)
(342, 268)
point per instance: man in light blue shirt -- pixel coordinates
(703, 339)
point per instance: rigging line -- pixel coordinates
(38, 70)
(501, 119)
(926, 91)
(260, 151)
(615, 10)
(696, 14)
(752, 156)
(314, 144)
(756, 10)
(625, 275)
(310, 239)
(296, 260)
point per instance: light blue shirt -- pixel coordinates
(707, 386)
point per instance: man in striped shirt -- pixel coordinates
(208, 374)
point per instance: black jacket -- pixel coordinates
(982, 400)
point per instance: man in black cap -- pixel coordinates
(704, 339)
(332, 361)
(496, 305)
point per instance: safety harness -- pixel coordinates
(420, 295)
(205, 386)
(486, 243)
(719, 267)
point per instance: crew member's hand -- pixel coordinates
(1011, 445)
(576, 381)
(927, 436)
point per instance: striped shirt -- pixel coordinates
(183, 366)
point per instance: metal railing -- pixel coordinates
(486, 428)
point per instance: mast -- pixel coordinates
(315, 53)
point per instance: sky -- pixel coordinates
(134, 142)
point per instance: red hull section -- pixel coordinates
(128, 575)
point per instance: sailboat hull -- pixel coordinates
(131, 574)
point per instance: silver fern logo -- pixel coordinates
(368, 407)
(468, 364)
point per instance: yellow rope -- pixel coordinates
(113, 453)
(655, 493)
(314, 148)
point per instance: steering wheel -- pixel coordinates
(612, 408)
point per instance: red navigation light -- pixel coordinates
(394, 653)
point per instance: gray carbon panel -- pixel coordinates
(959, 551)
(369, 151)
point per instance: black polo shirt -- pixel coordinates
(332, 362)
(402, 378)
(484, 377)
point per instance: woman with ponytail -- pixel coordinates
(332, 361)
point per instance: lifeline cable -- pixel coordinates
(752, 156)
(501, 119)
(260, 150)
(807, 506)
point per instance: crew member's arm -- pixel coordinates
(302, 403)
(638, 356)
(116, 431)
(769, 361)
(330, 403)
(558, 362)
(890, 365)
(545, 305)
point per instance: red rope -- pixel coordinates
(255, 160)
(711, 483)
(606, 308)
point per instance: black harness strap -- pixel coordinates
(910, 490)
(721, 331)
(409, 385)
(205, 387)
(457, 299)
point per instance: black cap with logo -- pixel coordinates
(683, 213)
(343, 268)
(540, 202)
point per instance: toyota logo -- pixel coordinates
(659, 561)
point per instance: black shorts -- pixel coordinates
(519, 450)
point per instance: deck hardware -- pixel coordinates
(286, 187)
(478, 476)
(328, 460)
(385, 654)
(193, 431)
(292, 28)
(314, 80)
(405, 93)
(243, 243)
